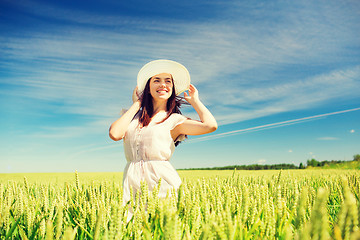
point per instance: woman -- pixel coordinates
(153, 124)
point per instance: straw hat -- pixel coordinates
(179, 73)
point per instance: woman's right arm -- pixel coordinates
(118, 128)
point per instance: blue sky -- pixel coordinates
(67, 68)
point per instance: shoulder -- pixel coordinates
(176, 119)
(177, 115)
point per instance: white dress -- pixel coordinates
(148, 151)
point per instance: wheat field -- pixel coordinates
(286, 204)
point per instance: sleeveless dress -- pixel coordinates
(148, 151)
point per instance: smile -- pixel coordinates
(162, 91)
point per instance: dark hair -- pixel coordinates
(147, 109)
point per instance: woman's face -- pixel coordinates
(161, 86)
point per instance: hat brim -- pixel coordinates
(179, 73)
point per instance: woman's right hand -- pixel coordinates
(119, 127)
(135, 96)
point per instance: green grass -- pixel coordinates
(61, 178)
(345, 165)
(227, 204)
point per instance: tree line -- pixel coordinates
(311, 162)
(314, 163)
(249, 167)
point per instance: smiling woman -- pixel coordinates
(153, 126)
(161, 84)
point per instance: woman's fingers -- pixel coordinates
(135, 95)
(191, 95)
(192, 88)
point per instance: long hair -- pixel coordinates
(147, 109)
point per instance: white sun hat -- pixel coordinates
(179, 73)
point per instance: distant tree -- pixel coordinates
(357, 157)
(301, 166)
(313, 163)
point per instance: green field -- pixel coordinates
(270, 204)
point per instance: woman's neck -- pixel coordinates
(159, 106)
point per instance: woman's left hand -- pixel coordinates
(207, 121)
(193, 94)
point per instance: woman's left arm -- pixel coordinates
(207, 123)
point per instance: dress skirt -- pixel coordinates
(150, 171)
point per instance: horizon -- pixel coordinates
(209, 168)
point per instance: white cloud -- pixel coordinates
(261, 161)
(81, 67)
(92, 148)
(300, 94)
(273, 125)
(92, 70)
(327, 138)
(95, 127)
(312, 155)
